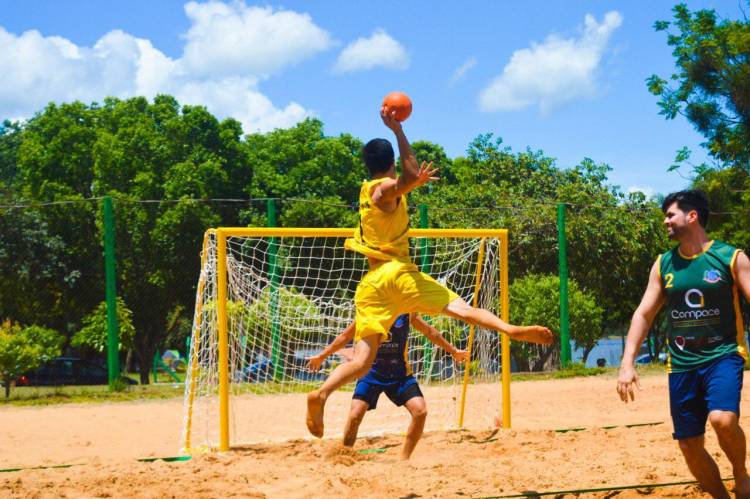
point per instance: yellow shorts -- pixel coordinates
(392, 289)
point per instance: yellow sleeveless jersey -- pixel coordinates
(380, 235)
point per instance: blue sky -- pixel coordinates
(564, 76)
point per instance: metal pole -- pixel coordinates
(505, 339)
(221, 313)
(113, 336)
(564, 316)
(273, 251)
(424, 266)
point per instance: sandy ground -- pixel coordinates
(104, 441)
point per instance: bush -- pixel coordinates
(535, 299)
(25, 349)
(93, 335)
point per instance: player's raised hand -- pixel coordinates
(427, 173)
(314, 363)
(388, 116)
(627, 380)
(460, 355)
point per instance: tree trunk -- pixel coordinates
(129, 361)
(542, 359)
(7, 388)
(586, 352)
(522, 364)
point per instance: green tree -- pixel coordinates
(302, 163)
(535, 299)
(728, 192)
(711, 83)
(25, 349)
(613, 238)
(93, 336)
(35, 272)
(132, 150)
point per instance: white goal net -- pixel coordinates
(285, 297)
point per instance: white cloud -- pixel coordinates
(40, 69)
(649, 192)
(553, 72)
(238, 97)
(380, 50)
(464, 68)
(229, 50)
(234, 38)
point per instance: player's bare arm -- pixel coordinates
(652, 301)
(314, 362)
(742, 274)
(413, 174)
(436, 337)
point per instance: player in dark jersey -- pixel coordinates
(390, 374)
(699, 282)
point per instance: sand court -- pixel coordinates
(104, 441)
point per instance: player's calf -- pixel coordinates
(418, 410)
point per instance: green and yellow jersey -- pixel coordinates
(703, 306)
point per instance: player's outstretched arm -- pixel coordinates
(314, 362)
(436, 337)
(644, 315)
(412, 175)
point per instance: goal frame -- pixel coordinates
(223, 233)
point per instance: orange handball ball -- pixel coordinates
(399, 102)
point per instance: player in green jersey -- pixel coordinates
(699, 282)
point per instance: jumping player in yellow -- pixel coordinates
(394, 286)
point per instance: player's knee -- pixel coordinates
(722, 421)
(691, 446)
(459, 309)
(419, 412)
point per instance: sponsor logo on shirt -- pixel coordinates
(712, 276)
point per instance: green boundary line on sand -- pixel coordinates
(143, 460)
(9, 470)
(492, 437)
(565, 430)
(372, 451)
(600, 489)
(165, 459)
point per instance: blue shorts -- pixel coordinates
(693, 394)
(370, 386)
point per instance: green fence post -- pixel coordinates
(564, 317)
(273, 252)
(113, 336)
(424, 266)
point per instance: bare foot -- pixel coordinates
(314, 418)
(535, 334)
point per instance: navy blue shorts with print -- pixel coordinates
(693, 394)
(399, 390)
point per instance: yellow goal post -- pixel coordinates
(266, 294)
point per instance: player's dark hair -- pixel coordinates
(689, 200)
(378, 156)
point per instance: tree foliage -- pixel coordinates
(711, 82)
(535, 299)
(612, 237)
(166, 165)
